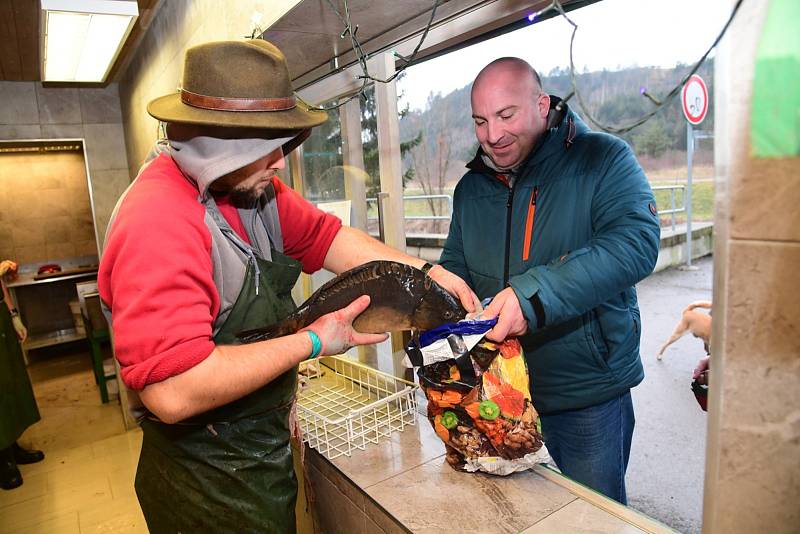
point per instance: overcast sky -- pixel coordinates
(612, 34)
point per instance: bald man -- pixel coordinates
(557, 223)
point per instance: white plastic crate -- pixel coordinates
(343, 405)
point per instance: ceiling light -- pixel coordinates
(82, 38)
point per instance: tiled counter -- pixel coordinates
(403, 484)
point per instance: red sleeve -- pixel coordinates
(307, 231)
(156, 276)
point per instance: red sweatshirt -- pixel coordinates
(156, 273)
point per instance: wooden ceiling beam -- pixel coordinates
(9, 57)
(26, 17)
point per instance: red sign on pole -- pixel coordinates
(695, 99)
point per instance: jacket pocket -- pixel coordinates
(595, 341)
(565, 367)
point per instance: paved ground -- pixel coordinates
(665, 474)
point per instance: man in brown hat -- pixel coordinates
(208, 242)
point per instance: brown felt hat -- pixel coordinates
(236, 84)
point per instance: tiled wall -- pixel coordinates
(45, 214)
(157, 67)
(753, 454)
(30, 111)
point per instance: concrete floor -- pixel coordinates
(85, 483)
(665, 474)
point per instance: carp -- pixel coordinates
(402, 297)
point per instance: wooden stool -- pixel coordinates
(97, 332)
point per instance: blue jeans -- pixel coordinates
(592, 445)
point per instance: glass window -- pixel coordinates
(435, 98)
(322, 161)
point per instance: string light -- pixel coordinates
(644, 93)
(643, 90)
(532, 17)
(362, 57)
(535, 15)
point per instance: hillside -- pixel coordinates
(613, 97)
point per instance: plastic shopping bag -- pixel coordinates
(479, 400)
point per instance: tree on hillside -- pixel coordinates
(322, 156)
(432, 159)
(369, 137)
(431, 170)
(652, 139)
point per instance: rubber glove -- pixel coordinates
(702, 366)
(335, 330)
(7, 265)
(22, 332)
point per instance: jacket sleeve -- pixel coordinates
(452, 257)
(622, 251)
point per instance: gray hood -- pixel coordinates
(511, 172)
(204, 159)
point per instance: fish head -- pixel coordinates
(437, 307)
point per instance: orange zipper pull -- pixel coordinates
(526, 252)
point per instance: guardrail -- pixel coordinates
(673, 209)
(412, 198)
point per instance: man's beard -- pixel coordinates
(244, 198)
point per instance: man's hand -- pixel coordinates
(335, 330)
(454, 285)
(510, 321)
(22, 332)
(702, 367)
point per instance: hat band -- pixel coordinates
(237, 104)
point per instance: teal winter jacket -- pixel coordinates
(572, 236)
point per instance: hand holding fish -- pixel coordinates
(403, 298)
(335, 330)
(455, 286)
(510, 321)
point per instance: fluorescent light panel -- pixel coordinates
(84, 37)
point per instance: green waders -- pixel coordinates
(18, 408)
(229, 469)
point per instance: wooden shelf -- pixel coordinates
(68, 272)
(52, 338)
(29, 280)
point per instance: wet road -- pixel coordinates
(665, 474)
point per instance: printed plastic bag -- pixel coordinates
(479, 399)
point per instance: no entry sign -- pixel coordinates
(695, 99)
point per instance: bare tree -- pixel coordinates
(432, 170)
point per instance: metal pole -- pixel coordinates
(381, 216)
(688, 199)
(672, 206)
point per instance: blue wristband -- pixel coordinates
(316, 344)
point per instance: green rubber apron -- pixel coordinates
(229, 469)
(18, 408)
